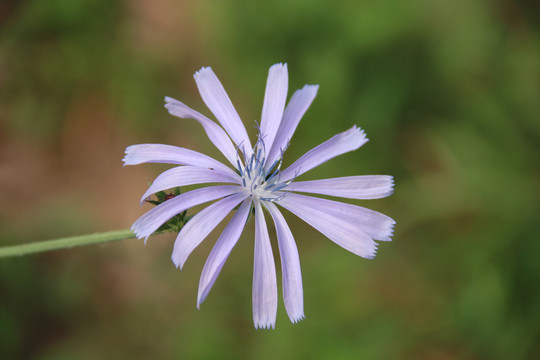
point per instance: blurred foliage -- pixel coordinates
(448, 93)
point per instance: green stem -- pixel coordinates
(63, 243)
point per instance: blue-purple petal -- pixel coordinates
(339, 144)
(154, 218)
(352, 187)
(202, 224)
(168, 154)
(274, 103)
(217, 100)
(293, 295)
(296, 108)
(189, 175)
(264, 275)
(344, 232)
(376, 225)
(214, 132)
(221, 250)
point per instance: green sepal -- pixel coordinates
(177, 222)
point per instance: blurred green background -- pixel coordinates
(447, 91)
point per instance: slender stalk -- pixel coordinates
(63, 243)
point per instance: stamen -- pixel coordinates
(240, 151)
(276, 187)
(261, 182)
(256, 126)
(276, 171)
(277, 198)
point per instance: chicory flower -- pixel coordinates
(253, 182)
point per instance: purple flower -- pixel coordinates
(256, 181)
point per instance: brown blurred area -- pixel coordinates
(83, 166)
(77, 160)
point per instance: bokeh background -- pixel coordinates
(447, 91)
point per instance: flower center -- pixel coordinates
(260, 181)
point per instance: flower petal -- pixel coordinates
(376, 225)
(202, 224)
(297, 107)
(343, 230)
(189, 175)
(154, 218)
(352, 187)
(214, 132)
(339, 144)
(217, 100)
(264, 276)
(274, 103)
(168, 154)
(290, 266)
(221, 250)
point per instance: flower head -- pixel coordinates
(255, 180)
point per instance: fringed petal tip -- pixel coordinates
(177, 263)
(370, 256)
(170, 100)
(265, 325)
(131, 149)
(390, 185)
(133, 154)
(135, 230)
(371, 252)
(388, 231)
(279, 66)
(359, 134)
(143, 199)
(128, 158)
(201, 297)
(138, 234)
(298, 318)
(176, 108)
(125, 159)
(202, 71)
